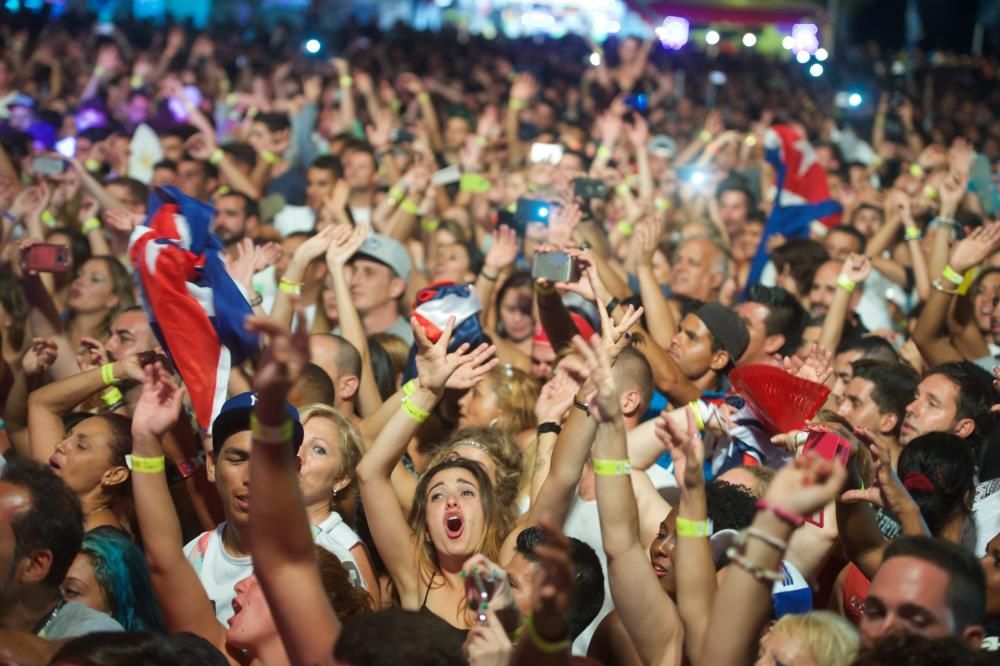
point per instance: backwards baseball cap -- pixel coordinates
(662, 145)
(726, 327)
(387, 251)
(234, 417)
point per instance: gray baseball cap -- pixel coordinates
(386, 251)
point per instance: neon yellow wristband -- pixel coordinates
(622, 189)
(696, 414)
(430, 224)
(414, 412)
(625, 228)
(91, 224)
(474, 182)
(693, 528)
(424, 97)
(268, 156)
(952, 275)
(481, 141)
(346, 81)
(704, 136)
(661, 203)
(916, 171)
(108, 373)
(49, 219)
(912, 233)
(112, 396)
(846, 283)
(147, 465)
(542, 645)
(612, 467)
(271, 434)
(409, 206)
(216, 156)
(136, 81)
(603, 152)
(290, 288)
(396, 193)
(517, 104)
(410, 387)
(91, 164)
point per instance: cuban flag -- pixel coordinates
(432, 308)
(803, 194)
(195, 308)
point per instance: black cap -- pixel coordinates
(726, 327)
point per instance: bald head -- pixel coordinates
(341, 362)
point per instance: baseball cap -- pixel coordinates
(387, 251)
(726, 327)
(234, 417)
(662, 145)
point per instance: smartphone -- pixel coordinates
(555, 267)
(638, 102)
(550, 153)
(45, 258)
(533, 210)
(479, 590)
(590, 188)
(47, 166)
(447, 176)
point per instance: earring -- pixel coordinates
(334, 493)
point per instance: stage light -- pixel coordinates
(711, 38)
(749, 40)
(313, 46)
(822, 54)
(674, 32)
(816, 70)
(595, 59)
(854, 99)
(802, 57)
(788, 43)
(805, 36)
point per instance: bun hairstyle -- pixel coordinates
(938, 471)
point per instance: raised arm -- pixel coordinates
(297, 272)
(283, 551)
(649, 616)
(182, 598)
(856, 270)
(662, 325)
(390, 530)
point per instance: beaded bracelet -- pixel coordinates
(758, 572)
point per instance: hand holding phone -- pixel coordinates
(44, 165)
(555, 267)
(45, 258)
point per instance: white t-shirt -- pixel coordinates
(219, 571)
(335, 528)
(583, 523)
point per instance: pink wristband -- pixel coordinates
(792, 519)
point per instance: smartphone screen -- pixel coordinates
(550, 153)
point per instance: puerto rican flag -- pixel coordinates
(195, 308)
(803, 194)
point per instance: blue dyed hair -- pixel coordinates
(121, 571)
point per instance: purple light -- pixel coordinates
(806, 37)
(673, 32)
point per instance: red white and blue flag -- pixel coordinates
(437, 303)
(803, 194)
(195, 308)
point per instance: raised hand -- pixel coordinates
(267, 254)
(815, 367)
(857, 268)
(555, 398)
(687, 450)
(284, 357)
(616, 336)
(888, 491)
(89, 208)
(200, 146)
(646, 238)
(91, 354)
(313, 247)
(975, 248)
(159, 405)
(487, 643)
(503, 252)
(605, 405)
(638, 132)
(805, 485)
(344, 244)
(563, 224)
(241, 266)
(435, 364)
(40, 356)
(524, 87)
(122, 220)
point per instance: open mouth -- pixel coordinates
(243, 502)
(660, 570)
(454, 525)
(54, 463)
(237, 607)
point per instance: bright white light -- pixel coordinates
(595, 59)
(538, 20)
(788, 43)
(312, 46)
(698, 178)
(711, 38)
(854, 99)
(749, 40)
(802, 56)
(442, 3)
(815, 69)
(614, 27)
(822, 54)
(805, 36)
(674, 32)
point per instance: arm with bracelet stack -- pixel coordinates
(648, 614)
(47, 404)
(181, 596)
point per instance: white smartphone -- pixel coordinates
(551, 153)
(446, 176)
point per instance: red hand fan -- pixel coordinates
(779, 400)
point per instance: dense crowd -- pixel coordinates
(520, 346)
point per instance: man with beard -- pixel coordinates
(236, 218)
